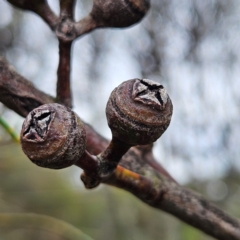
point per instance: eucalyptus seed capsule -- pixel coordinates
(139, 111)
(53, 136)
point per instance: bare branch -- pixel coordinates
(66, 34)
(147, 155)
(64, 95)
(133, 173)
(17, 93)
(85, 25)
(180, 202)
(160, 192)
(67, 30)
(67, 8)
(40, 7)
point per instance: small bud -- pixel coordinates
(53, 136)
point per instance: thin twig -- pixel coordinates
(23, 96)
(40, 7)
(85, 25)
(46, 13)
(67, 8)
(147, 154)
(65, 27)
(64, 95)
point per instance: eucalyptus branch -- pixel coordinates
(133, 173)
(18, 94)
(184, 204)
(65, 27)
(67, 8)
(40, 7)
(64, 95)
(147, 155)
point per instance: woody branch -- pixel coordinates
(137, 171)
(133, 173)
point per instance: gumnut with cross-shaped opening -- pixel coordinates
(53, 136)
(139, 111)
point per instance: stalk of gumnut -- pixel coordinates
(40, 7)
(138, 113)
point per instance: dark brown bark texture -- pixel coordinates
(137, 172)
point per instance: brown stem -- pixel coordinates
(174, 199)
(95, 142)
(115, 150)
(88, 163)
(111, 156)
(121, 176)
(45, 12)
(147, 154)
(63, 84)
(17, 93)
(67, 8)
(135, 183)
(67, 30)
(40, 7)
(193, 209)
(184, 204)
(85, 25)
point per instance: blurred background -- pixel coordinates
(192, 48)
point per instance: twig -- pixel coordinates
(85, 25)
(67, 8)
(64, 95)
(65, 36)
(40, 7)
(22, 97)
(45, 12)
(147, 154)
